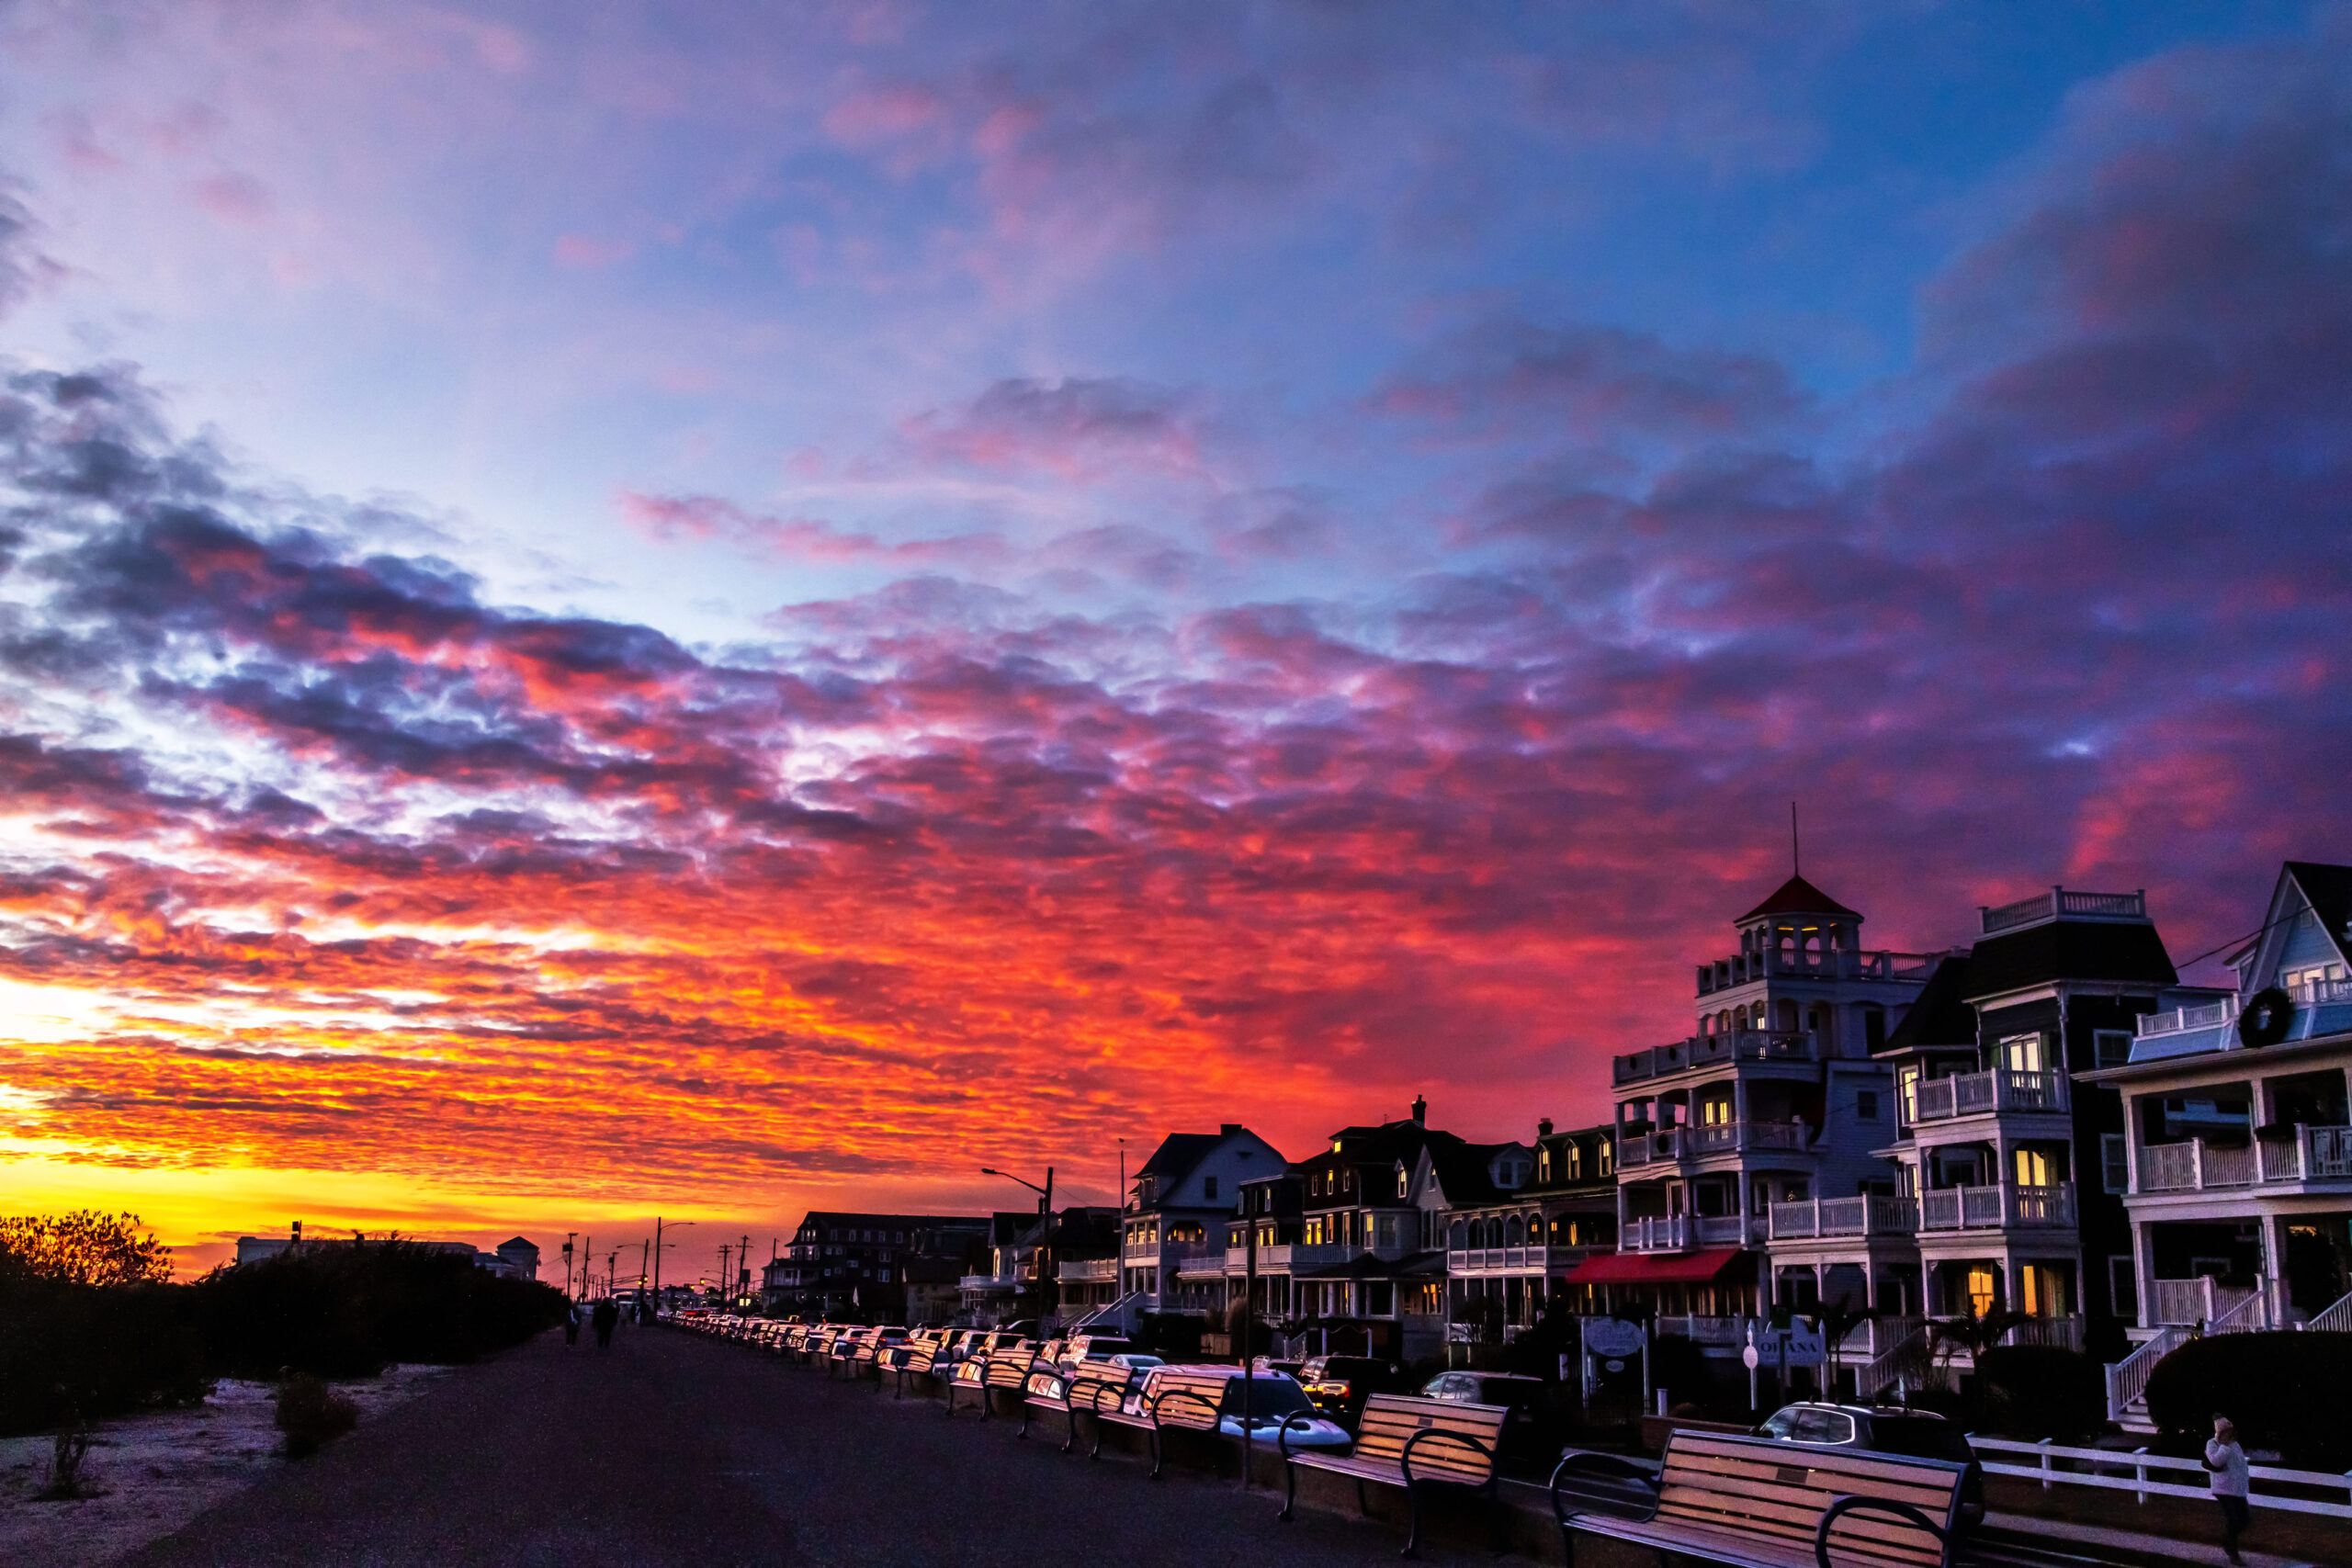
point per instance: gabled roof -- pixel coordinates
(1389, 1141)
(2069, 950)
(1798, 896)
(1940, 1014)
(518, 1243)
(1462, 1172)
(1177, 1155)
(2328, 890)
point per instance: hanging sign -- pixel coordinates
(1613, 1336)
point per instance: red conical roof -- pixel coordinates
(1798, 896)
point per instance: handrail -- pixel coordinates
(1840, 1506)
(2141, 1461)
(2127, 1380)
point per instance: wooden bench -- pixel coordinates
(1405, 1440)
(1179, 1401)
(845, 1348)
(913, 1359)
(1087, 1386)
(1009, 1366)
(968, 1376)
(1755, 1503)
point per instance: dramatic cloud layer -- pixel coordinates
(1171, 749)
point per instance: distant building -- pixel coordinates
(840, 1264)
(516, 1258)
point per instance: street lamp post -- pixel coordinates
(1045, 1242)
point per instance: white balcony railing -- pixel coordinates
(2000, 1089)
(1090, 1271)
(2196, 1164)
(1713, 1050)
(2059, 902)
(1701, 1140)
(1996, 1208)
(1680, 1233)
(1871, 1215)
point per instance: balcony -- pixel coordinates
(2060, 904)
(1713, 1050)
(1978, 1094)
(2006, 1207)
(1741, 968)
(1286, 1256)
(1683, 1232)
(989, 1283)
(1090, 1271)
(2311, 1153)
(2321, 1007)
(1817, 1217)
(1700, 1142)
(1466, 1261)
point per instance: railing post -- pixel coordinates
(2196, 1168)
(2140, 1474)
(2045, 1464)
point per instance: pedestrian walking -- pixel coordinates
(572, 1323)
(2225, 1457)
(607, 1315)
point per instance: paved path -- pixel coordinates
(673, 1450)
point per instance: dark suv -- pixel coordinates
(1340, 1385)
(1884, 1429)
(1532, 1432)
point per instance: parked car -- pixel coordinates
(1340, 1385)
(1532, 1432)
(1883, 1429)
(1134, 1359)
(1273, 1399)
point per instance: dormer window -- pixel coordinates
(1404, 1182)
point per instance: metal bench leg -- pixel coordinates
(1024, 1433)
(1069, 1417)
(1364, 1503)
(1096, 1451)
(1158, 1454)
(1290, 1490)
(1412, 1522)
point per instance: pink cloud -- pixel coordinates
(672, 518)
(582, 253)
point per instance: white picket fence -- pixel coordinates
(2110, 1471)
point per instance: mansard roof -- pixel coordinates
(1940, 1015)
(1798, 896)
(2069, 950)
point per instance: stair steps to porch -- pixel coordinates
(2127, 1380)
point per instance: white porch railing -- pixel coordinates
(1996, 1208)
(1998, 1089)
(1871, 1215)
(2337, 1319)
(2195, 1165)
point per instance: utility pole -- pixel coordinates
(725, 1281)
(587, 1263)
(743, 1267)
(644, 1260)
(568, 1236)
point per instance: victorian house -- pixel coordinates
(1776, 1099)
(2235, 1147)
(1174, 1228)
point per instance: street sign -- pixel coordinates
(1613, 1336)
(1804, 1348)
(1751, 1357)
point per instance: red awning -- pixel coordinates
(1665, 1268)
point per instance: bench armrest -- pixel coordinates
(1628, 1486)
(1282, 1433)
(1405, 1455)
(1850, 1504)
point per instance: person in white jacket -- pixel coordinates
(2225, 1458)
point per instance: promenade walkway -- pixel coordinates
(669, 1449)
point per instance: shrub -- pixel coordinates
(2040, 1390)
(2285, 1392)
(310, 1414)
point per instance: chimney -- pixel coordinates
(1544, 1128)
(1228, 1129)
(1420, 1109)
(298, 1230)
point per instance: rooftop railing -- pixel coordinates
(1714, 1050)
(2058, 903)
(1838, 963)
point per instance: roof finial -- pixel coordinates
(1796, 850)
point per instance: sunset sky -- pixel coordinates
(708, 609)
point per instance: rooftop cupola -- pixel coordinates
(1799, 929)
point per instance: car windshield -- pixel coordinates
(1916, 1438)
(1269, 1397)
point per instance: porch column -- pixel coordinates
(1870, 1282)
(2144, 1259)
(1739, 1098)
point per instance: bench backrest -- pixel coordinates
(1780, 1490)
(1009, 1367)
(1099, 1385)
(971, 1374)
(919, 1356)
(1192, 1399)
(1465, 1450)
